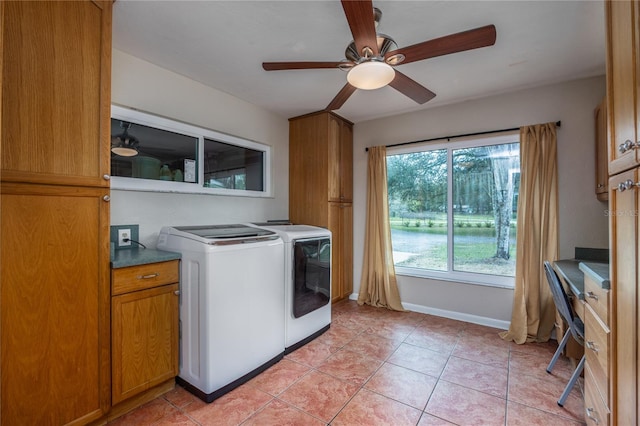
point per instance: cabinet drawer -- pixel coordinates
(596, 411)
(597, 298)
(133, 278)
(597, 350)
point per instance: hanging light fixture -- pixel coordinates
(370, 75)
(125, 145)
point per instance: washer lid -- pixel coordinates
(222, 234)
(294, 232)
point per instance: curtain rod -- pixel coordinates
(448, 138)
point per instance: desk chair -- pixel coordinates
(576, 327)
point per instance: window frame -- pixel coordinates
(474, 278)
(200, 133)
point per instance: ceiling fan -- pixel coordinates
(371, 56)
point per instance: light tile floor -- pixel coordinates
(378, 367)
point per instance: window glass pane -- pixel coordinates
(417, 186)
(485, 182)
(233, 167)
(161, 154)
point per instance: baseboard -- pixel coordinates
(460, 316)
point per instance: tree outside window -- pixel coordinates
(453, 209)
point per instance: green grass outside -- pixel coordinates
(469, 257)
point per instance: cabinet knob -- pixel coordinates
(600, 185)
(627, 184)
(177, 292)
(106, 177)
(626, 146)
(592, 346)
(106, 198)
(592, 295)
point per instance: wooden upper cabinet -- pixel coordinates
(56, 79)
(624, 153)
(320, 163)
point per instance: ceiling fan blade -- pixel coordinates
(277, 66)
(341, 97)
(411, 88)
(361, 22)
(458, 42)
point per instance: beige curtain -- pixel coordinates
(533, 314)
(378, 286)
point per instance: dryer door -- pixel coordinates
(311, 275)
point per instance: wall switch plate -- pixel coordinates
(124, 237)
(121, 232)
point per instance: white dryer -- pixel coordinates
(231, 304)
(307, 272)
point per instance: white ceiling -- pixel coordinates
(223, 44)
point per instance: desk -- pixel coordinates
(572, 272)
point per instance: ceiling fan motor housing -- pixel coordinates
(385, 44)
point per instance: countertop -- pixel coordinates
(134, 257)
(599, 272)
(572, 272)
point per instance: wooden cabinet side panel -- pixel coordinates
(601, 148)
(347, 249)
(334, 165)
(335, 219)
(346, 162)
(621, 85)
(341, 227)
(55, 304)
(56, 92)
(623, 222)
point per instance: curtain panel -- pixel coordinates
(378, 286)
(533, 315)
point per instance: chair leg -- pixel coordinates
(572, 382)
(556, 355)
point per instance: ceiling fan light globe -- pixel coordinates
(371, 75)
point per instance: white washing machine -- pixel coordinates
(307, 271)
(231, 304)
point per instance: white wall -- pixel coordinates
(144, 86)
(582, 221)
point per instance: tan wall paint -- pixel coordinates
(582, 218)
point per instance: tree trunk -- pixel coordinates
(502, 200)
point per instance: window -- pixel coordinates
(172, 156)
(453, 209)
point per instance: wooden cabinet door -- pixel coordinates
(54, 293)
(56, 79)
(144, 340)
(602, 161)
(308, 165)
(624, 256)
(621, 84)
(341, 227)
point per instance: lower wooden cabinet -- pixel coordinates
(54, 304)
(144, 334)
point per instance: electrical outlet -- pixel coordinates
(124, 234)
